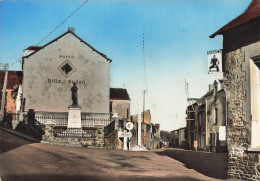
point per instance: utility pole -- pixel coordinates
(4, 92)
(187, 91)
(143, 104)
(145, 89)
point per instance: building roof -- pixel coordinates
(250, 14)
(37, 48)
(33, 48)
(14, 78)
(206, 95)
(119, 94)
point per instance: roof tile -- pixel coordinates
(250, 14)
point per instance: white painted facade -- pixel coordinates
(255, 104)
(47, 88)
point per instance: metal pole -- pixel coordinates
(139, 130)
(144, 104)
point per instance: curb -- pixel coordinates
(20, 135)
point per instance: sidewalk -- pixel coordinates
(27, 137)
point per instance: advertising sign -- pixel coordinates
(214, 61)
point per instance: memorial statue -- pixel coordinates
(74, 95)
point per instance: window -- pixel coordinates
(255, 101)
(200, 118)
(216, 115)
(127, 113)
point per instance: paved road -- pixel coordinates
(210, 164)
(22, 160)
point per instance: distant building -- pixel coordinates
(178, 138)
(150, 133)
(120, 102)
(206, 118)
(190, 125)
(12, 103)
(241, 60)
(174, 138)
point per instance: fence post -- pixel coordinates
(31, 116)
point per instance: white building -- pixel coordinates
(50, 71)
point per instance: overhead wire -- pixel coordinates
(62, 22)
(12, 64)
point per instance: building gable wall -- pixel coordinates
(46, 88)
(122, 107)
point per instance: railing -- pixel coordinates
(93, 122)
(61, 119)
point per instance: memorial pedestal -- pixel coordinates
(74, 120)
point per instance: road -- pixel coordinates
(210, 164)
(23, 160)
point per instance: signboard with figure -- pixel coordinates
(214, 61)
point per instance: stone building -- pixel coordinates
(241, 60)
(120, 102)
(178, 138)
(205, 120)
(150, 133)
(50, 71)
(12, 101)
(190, 125)
(211, 118)
(174, 138)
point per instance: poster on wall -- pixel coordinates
(222, 133)
(214, 61)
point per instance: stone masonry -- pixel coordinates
(241, 164)
(92, 142)
(112, 140)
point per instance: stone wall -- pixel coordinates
(92, 142)
(112, 140)
(241, 163)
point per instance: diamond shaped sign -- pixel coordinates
(66, 68)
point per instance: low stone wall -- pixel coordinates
(92, 142)
(111, 140)
(243, 165)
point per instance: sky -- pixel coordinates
(176, 40)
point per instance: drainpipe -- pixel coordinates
(226, 112)
(206, 135)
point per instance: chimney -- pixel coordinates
(211, 87)
(71, 29)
